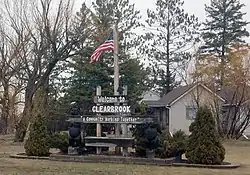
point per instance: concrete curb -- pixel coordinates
(226, 166)
(122, 160)
(23, 156)
(112, 159)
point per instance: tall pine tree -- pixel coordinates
(97, 22)
(223, 27)
(171, 32)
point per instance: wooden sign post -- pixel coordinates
(111, 109)
(98, 125)
(125, 126)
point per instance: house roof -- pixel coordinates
(154, 103)
(178, 93)
(174, 94)
(150, 91)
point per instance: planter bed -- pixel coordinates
(123, 160)
(111, 159)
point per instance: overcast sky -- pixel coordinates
(195, 7)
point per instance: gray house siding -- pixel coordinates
(179, 118)
(177, 110)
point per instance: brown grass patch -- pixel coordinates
(236, 152)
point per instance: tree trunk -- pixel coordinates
(24, 122)
(3, 124)
(12, 121)
(27, 112)
(223, 49)
(168, 77)
(5, 110)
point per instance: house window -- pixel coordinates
(167, 117)
(191, 112)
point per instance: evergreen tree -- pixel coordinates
(135, 76)
(171, 33)
(223, 27)
(38, 143)
(204, 146)
(97, 22)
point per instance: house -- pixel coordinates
(150, 96)
(177, 109)
(236, 109)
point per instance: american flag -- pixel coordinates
(107, 45)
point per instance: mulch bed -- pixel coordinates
(124, 160)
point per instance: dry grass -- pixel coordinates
(238, 152)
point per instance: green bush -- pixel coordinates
(170, 146)
(60, 141)
(204, 145)
(142, 143)
(38, 142)
(90, 129)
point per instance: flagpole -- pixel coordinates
(116, 78)
(116, 62)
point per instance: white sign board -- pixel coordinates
(111, 109)
(109, 99)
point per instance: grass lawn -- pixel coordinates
(236, 151)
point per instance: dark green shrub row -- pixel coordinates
(38, 141)
(146, 137)
(60, 141)
(170, 146)
(203, 146)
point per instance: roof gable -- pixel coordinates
(179, 92)
(150, 96)
(174, 94)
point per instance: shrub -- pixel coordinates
(179, 142)
(60, 141)
(38, 142)
(142, 143)
(152, 137)
(91, 129)
(170, 146)
(204, 145)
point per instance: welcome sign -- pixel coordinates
(109, 99)
(112, 105)
(114, 119)
(111, 109)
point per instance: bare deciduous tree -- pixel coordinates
(10, 65)
(47, 29)
(233, 115)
